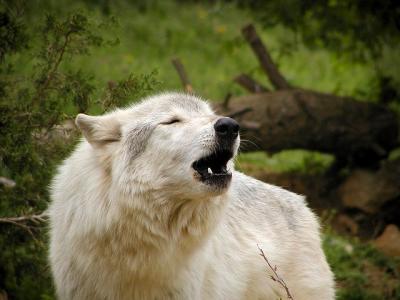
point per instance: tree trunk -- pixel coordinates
(358, 132)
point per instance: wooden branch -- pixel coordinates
(228, 97)
(182, 75)
(300, 119)
(7, 182)
(50, 75)
(250, 84)
(240, 112)
(21, 221)
(276, 78)
(250, 125)
(275, 277)
(32, 218)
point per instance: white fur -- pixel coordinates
(129, 219)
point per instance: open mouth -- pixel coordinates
(212, 169)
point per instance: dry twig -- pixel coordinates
(250, 125)
(41, 90)
(182, 75)
(275, 277)
(250, 84)
(22, 220)
(227, 98)
(240, 112)
(9, 183)
(33, 218)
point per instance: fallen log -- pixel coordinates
(361, 133)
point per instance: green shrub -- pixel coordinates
(32, 102)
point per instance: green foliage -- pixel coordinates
(356, 27)
(289, 161)
(121, 93)
(361, 272)
(12, 36)
(32, 101)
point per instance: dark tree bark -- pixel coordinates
(358, 132)
(250, 84)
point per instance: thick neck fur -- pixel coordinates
(155, 234)
(158, 221)
(142, 232)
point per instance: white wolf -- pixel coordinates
(149, 206)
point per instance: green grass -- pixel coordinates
(207, 39)
(361, 272)
(288, 161)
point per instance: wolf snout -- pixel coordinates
(226, 129)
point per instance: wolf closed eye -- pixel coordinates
(172, 121)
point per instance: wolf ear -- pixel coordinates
(99, 130)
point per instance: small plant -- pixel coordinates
(275, 276)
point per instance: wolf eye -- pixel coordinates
(172, 121)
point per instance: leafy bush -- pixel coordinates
(357, 27)
(33, 104)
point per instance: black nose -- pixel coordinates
(227, 128)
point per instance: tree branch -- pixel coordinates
(7, 182)
(239, 112)
(227, 98)
(275, 277)
(250, 125)
(53, 70)
(33, 218)
(21, 221)
(276, 78)
(250, 84)
(182, 75)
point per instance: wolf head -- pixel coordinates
(171, 142)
